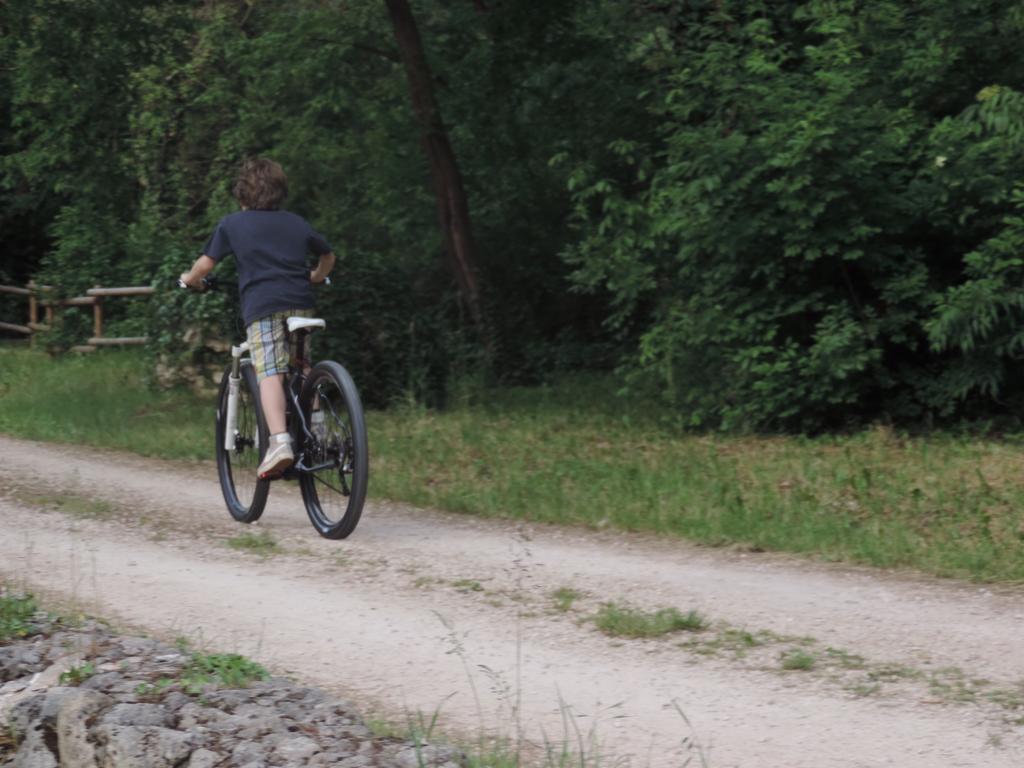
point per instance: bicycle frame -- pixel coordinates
(234, 381)
(293, 382)
(297, 426)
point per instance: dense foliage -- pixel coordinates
(799, 214)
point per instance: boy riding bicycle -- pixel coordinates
(270, 247)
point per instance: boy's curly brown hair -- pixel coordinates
(261, 185)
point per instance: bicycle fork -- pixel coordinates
(234, 382)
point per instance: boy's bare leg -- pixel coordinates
(279, 454)
(272, 400)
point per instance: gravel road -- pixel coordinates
(421, 610)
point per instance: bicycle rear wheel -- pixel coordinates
(244, 493)
(335, 490)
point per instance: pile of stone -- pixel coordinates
(85, 697)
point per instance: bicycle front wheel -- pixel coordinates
(239, 456)
(334, 488)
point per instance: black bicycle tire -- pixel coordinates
(361, 465)
(238, 510)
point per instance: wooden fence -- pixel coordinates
(40, 297)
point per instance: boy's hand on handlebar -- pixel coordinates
(323, 268)
(197, 278)
(200, 284)
(316, 278)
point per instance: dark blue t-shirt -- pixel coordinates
(270, 248)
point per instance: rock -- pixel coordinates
(229, 700)
(252, 709)
(427, 754)
(255, 720)
(14, 686)
(338, 749)
(356, 761)
(247, 753)
(296, 749)
(191, 715)
(75, 708)
(34, 751)
(19, 661)
(139, 714)
(139, 646)
(112, 682)
(47, 679)
(175, 700)
(204, 758)
(142, 746)
(33, 707)
(51, 703)
(109, 722)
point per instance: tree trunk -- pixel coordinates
(452, 208)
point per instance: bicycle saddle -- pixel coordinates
(307, 323)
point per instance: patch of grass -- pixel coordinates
(78, 674)
(384, 729)
(67, 502)
(154, 689)
(564, 597)
(230, 670)
(16, 612)
(742, 638)
(738, 641)
(468, 585)
(623, 621)
(845, 659)
(863, 690)
(261, 543)
(798, 659)
(951, 684)
(1008, 698)
(223, 669)
(893, 672)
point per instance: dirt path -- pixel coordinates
(420, 609)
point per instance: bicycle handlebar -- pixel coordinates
(207, 283)
(212, 283)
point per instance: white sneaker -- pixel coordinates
(279, 456)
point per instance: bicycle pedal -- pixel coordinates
(277, 473)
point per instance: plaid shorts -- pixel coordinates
(270, 347)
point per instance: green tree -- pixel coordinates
(778, 244)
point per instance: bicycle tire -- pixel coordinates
(334, 496)
(244, 493)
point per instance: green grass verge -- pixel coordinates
(575, 454)
(103, 400)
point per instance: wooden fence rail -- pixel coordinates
(39, 296)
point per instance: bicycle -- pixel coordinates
(324, 416)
